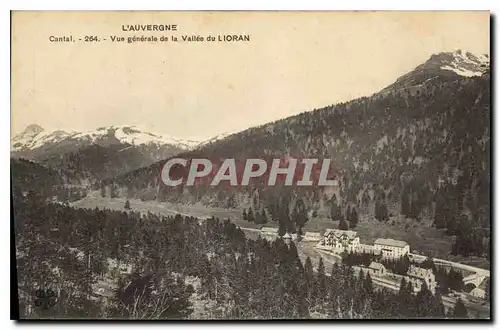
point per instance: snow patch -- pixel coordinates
(461, 71)
(32, 139)
(466, 64)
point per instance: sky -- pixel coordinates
(294, 62)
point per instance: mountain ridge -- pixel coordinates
(442, 66)
(34, 136)
(97, 154)
(398, 152)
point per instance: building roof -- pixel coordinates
(477, 290)
(417, 271)
(391, 242)
(337, 233)
(376, 265)
(269, 229)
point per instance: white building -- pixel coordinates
(377, 269)
(340, 240)
(269, 233)
(478, 293)
(391, 248)
(311, 236)
(418, 276)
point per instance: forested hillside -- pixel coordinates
(423, 152)
(415, 154)
(42, 182)
(94, 163)
(66, 252)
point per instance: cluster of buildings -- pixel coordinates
(271, 233)
(338, 241)
(415, 275)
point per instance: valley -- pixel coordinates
(412, 164)
(423, 239)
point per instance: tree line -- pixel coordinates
(67, 249)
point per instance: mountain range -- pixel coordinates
(34, 137)
(40, 145)
(419, 147)
(101, 153)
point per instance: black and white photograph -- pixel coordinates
(232, 165)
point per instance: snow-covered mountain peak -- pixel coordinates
(34, 137)
(135, 135)
(442, 66)
(463, 63)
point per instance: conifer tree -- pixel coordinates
(343, 225)
(335, 212)
(302, 302)
(378, 211)
(367, 284)
(405, 204)
(309, 278)
(263, 216)
(440, 213)
(459, 311)
(299, 214)
(354, 218)
(439, 309)
(321, 279)
(250, 216)
(404, 297)
(384, 212)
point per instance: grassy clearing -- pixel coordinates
(422, 237)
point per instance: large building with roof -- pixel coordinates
(418, 276)
(312, 236)
(478, 293)
(377, 269)
(391, 248)
(269, 233)
(340, 240)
